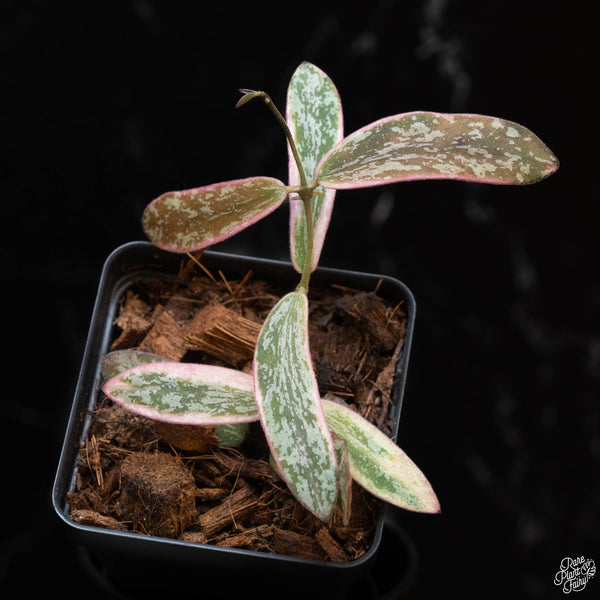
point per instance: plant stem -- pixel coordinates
(306, 197)
(305, 190)
(249, 95)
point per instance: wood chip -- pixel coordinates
(332, 548)
(222, 333)
(249, 468)
(367, 309)
(238, 506)
(197, 537)
(256, 538)
(165, 338)
(134, 319)
(211, 494)
(297, 544)
(95, 519)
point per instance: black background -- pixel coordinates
(105, 105)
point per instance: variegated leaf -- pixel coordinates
(314, 116)
(289, 406)
(185, 393)
(231, 435)
(426, 145)
(377, 464)
(117, 361)
(192, 219)
(343, 501)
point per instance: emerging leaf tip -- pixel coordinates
(250, 95)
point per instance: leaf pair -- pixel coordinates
(193, 394)
(404, 147)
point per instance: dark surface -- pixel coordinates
(107, 105)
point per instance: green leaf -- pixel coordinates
(118, 361)
(314, 116)
(231, 435)
(185, 393)
(343, 502)
(377, 464)
(425, 145)
(189, 220)
(290, 408)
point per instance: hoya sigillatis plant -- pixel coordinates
(317, 445)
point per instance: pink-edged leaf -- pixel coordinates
(427, 145)
(377, 464)
(117, 361)
(314, 116)
(193, 219)
(343, 502)
(289, 406)
(185, 393)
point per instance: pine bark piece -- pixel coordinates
(134, 320)
(295, 544)
(222, 333)
(95, 519)
(166, 338)
(121, 428)
(248, 468)
(209, 494)
(367, 309)
(330, 546)
(197, 537)
(257, 538)
(238, 506)
(157, 494)
(385, 383)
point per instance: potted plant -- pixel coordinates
(317, 446)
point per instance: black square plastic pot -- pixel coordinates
(136, 565)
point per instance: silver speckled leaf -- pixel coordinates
(185, 393)
(314, 116)
(377, 464)
(190, 220)
(289, 405)
(426, 145)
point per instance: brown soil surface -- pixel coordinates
(134, 476)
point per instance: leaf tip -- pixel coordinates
(249, 95)
(553, 166)
(432, 505)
